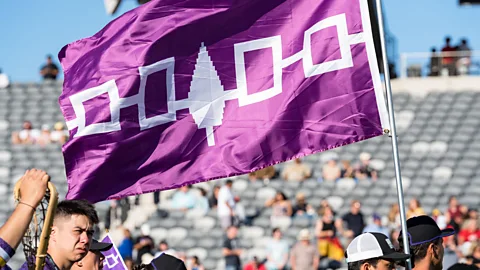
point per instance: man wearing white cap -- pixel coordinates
(373, 251)
(304, 255)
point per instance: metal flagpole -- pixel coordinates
(393, 132)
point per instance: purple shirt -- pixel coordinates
(6, 252)
(49, 264)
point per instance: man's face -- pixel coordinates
(355, 207)
(384, 265)
(277, 234)
(93, 260)
(232, 232)
(72, 237)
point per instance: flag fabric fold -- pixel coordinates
(180, 92)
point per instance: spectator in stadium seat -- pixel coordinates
(44, 137)
(202, 202)
(473, 257)
(331, 171)
(277, 252)
(364, 170)
(28, 135)
(394, 217)
(426, 243)
(59, 134)
(453, 209)
(434, 63)
(451, 252)
(302, 208)
(304, 255)
(439, 218)
(144, 243)
(264, 174)
(232, 250)
(226, 205)
(354, 221)
(328, 244)
(448, 62)
(163, 247)
(213, 200)
(347, 169)
(183, 199)
(470, 232)
(281, 206)
(414, 209)
(377, 226)
(49, 71)
(4, 82)
(296, 171)
(126, 248)
(195, 264)
(254, 264)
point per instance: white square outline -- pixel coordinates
(275, 43)
(145, 71)
(340, 21)
(77, 100)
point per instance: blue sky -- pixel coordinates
(35, 28)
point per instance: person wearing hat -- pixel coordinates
(364, 169)
(163, 262)
(376, 226)
(373, 251)
(426, 242)
(94, 258)
(304, 255)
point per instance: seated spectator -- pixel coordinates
(354, 221)
(454, 211)
(364, 169)
(439, 218)
(4, 82)
(304, 254)
(264, 174)
(254, 264)
(394, 217)
(451, 253)
(126, 248)
(44, 137)
(195, 264)
(213, 200)
(414, 209)
(183, 199)
(296, 171)
(377, 226)
(144, 243)
(277, 252)
(59, 134)
(473, 257)
(326, 228)
(347, 170)
(202, 202)
(470, 232)
(163, 247)
(27, 135)
(331, 171)
(464, 61)
(280, 204)
(302, 208)
(49, 71)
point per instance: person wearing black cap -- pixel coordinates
(373, 251)
(94, 258)
(163, 262)
(426, 242)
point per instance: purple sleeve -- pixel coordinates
(6, 252)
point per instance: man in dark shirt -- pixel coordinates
(354, 220)
(144, 243)
(49, 70)
(231, 250)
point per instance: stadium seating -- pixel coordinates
(439, 152)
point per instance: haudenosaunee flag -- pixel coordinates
(179, 92)
(113, 260)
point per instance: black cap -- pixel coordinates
(373, 246)
(167, 262)
(100, 246)
(423, 229)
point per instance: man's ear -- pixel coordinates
(364, 266)
(433, 250)
(54, 233)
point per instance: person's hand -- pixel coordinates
(33, 187)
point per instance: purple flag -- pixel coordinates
(180, 92)
(113, 259)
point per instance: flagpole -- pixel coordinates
(393, 133)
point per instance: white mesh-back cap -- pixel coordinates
(373, 245)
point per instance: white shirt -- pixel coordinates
(3, 81)
(225, 196)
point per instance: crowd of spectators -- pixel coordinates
(30, 135)
(453, 60)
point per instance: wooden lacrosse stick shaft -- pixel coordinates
(47, 225)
